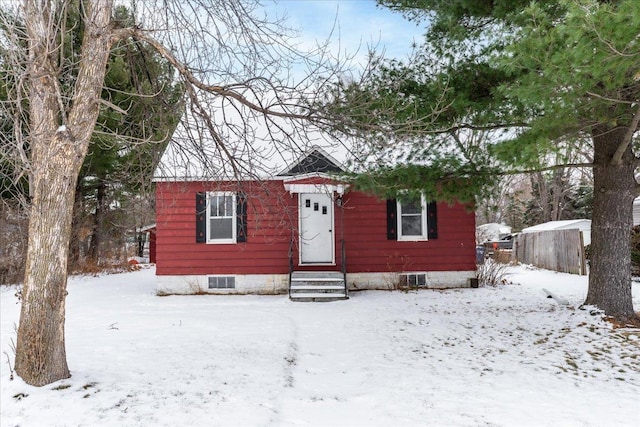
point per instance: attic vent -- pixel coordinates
(222, 282)
(414, 280)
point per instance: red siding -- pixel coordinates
(269, 214)
(368, 250)
(273, 220)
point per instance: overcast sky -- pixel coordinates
(358, 24)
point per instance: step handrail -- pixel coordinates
(290, 264)
(343, 267)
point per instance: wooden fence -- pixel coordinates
(558, 250)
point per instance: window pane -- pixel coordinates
(221, 228)
(411, 207)
(216, 207)
(412, 225)
(228, 204)
(221, 205)
(422, 279)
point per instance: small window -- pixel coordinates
(417, 280)
(412, 219)
(221, 213)
(222, 282)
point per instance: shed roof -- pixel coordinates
(584, 225)
(581, 224)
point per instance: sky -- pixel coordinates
(356, 25)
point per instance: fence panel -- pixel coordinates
(558, 250)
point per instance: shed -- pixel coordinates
(584, 225)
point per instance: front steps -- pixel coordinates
(317, 286)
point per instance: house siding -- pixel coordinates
(272, 220)
(369, 249)
(268, 236)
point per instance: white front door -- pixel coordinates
(316, 228)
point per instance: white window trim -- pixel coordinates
(234, 218)
(415, 238)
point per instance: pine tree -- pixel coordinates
(545, 72)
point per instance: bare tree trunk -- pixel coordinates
(614, 191)
(98, 224)
(63, 90)
(557, 192)
(40, 352)
(76, 228)
(59, 144)
(141, 240)
(538, 180)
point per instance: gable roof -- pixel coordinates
(314, 160)
(247, 151)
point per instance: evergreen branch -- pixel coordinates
(545, 169)
(469, 126)
(609, 99)
(610, 45)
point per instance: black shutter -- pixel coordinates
(201, 217)
(392, 219)
(241, 219)
(432, 220)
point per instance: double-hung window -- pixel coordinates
(221, 216)
(412, 219)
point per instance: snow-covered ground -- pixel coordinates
(504, 356)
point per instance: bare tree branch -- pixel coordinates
(628, 137)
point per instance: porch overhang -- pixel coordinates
(314, 183)
(293, 188)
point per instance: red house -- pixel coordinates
(305, 233)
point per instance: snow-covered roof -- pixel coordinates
(492, 231)
(229, 141)
(583, 225)
(238, 144)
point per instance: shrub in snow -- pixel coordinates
(492, 273)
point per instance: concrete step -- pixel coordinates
(317, 279)
(317, 297)
(328, 276)
(317, 286)
(305, 287)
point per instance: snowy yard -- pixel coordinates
(503, 356)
